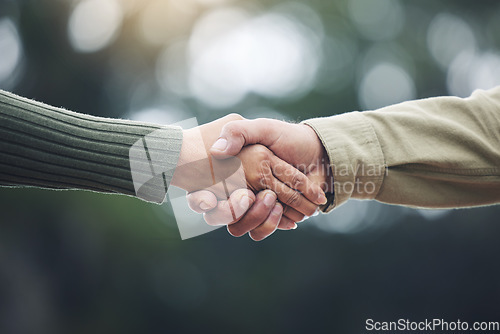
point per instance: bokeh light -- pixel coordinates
(385, 84)
(212, 2)
(233, 53)
(448, 36)
(337, 68)
(470, 71)
(172, 68)
(178, 59)
(433, 214)
(160, 115)
(11, 52)
(94, 24)
(163, 20)
(78, 262)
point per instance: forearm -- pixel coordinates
(49, 147)
(438, 152)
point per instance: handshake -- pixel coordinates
(255, 176)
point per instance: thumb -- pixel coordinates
(237, 134)
(201, 201)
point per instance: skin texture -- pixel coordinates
(255, 168)
(296, 144)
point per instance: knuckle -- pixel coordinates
(261, 153)
(234, 117)
(261, 122)
(293, 199)
(297, 180)
(232, 128)
(264, 180)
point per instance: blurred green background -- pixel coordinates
(80, 262)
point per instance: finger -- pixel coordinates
(269, 226)
(230, 211)
(292, 214)
(286, 224)
(292, 198)
(297, 180)
(236, 134)
(201, 201)
(241, 200)
(257, 214)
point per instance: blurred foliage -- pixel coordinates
(80, 262)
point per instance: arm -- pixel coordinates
(49, 147)
(54, 148)
(440, 152)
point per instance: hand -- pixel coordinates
(257, 221)
(261, 170)
(295, 143)
(264, 170)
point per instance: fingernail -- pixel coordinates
(315, 213)
(204, 206)
(269, 199)
(322, 198)
(220, 144)
(294, 226)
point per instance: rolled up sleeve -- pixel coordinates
(440, 152)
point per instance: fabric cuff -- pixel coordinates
(356, 157)
(153, 160)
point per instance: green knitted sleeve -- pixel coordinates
(43, 146)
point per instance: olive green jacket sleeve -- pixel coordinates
(49, 147)
(439, 152)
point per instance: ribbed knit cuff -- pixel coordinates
(49, 147)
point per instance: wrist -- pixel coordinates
(321, 166)
(193, 167)
(326, 171)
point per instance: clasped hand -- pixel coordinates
(255, 176)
